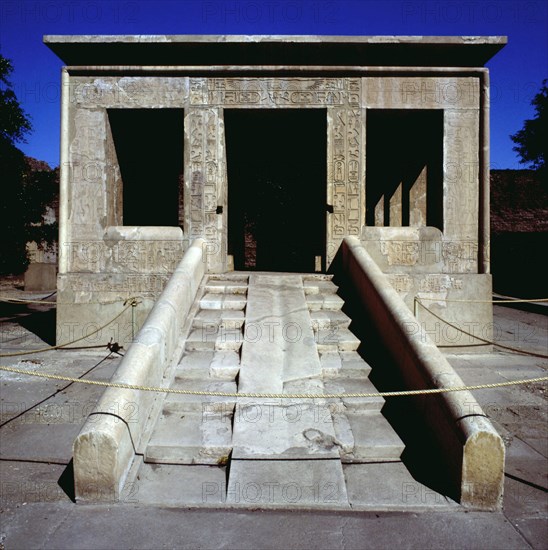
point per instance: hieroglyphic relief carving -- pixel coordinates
(114, 92)
(345, 171)
(461, 174)
(205, 177)
(274, 92)
(143, 284)
(400, 282)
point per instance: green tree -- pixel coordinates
(27, 185)
(14, 123)
(532, 140)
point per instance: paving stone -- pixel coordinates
(366, 437)
(390, 486)
(298, 430)
(182, 437)
(177, 485)
(306, 483)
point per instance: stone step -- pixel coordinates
(203, 339)
(353, 385)
(287, 483)
(343, 364)
(190, 437)
(317, 277)
(200, 365)
(233, 276)
(201, 403)
(280, 452)
(312, 286)
(366, 437)
(336, 339)
(226, 287)
(306, 386)
(322, 319)
(317, 302)
(298, 430)
(223, 301)
(210, 319)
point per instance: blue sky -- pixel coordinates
(516, 72)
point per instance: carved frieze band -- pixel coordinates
(274, 92)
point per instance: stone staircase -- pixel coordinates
(276, 334)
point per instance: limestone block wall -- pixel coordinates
(98, 269)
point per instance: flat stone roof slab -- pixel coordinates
(267, 50)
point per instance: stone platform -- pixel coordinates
(279, 334)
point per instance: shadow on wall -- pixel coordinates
(422, 456)
(38, 320)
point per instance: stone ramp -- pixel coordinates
(283, 334)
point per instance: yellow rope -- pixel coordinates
(510, 348)
(507, 301)
(131, 302)
(271, 395)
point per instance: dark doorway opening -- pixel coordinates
(149, 147)
(404, 167)
(277, 188)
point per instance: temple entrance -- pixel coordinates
(276, 162)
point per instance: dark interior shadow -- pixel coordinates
(422, 456)
(149, 148)
(66, 481)
(399, 145)
(276, 165)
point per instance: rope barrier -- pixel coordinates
(130, 302)
(430, 391)
(507, 301)
(485, 341)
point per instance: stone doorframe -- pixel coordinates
(206, 192)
